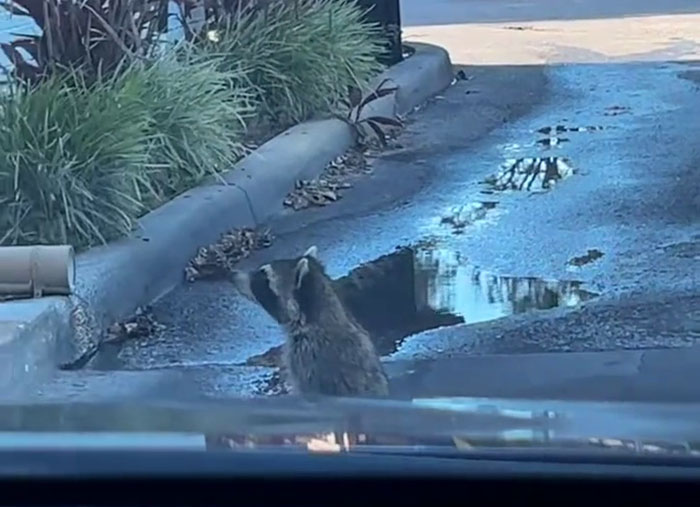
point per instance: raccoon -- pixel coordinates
(327, 351)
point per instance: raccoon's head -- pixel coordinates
(283, 287)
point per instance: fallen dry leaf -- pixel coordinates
(141, 325)
(218, 259)
(328, 187)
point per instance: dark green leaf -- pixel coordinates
(378, 131)
(384, 120)
(28, 44)
(355, 96)
(377, 94)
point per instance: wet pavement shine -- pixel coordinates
(551, 230)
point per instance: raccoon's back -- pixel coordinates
(341, 362)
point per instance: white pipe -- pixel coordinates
(36, 271)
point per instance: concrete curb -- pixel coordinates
(117, 278)
(32, 334)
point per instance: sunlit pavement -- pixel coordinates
(629, 123)
(527, 32)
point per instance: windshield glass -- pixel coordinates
(410, 202)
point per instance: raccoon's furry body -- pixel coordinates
(327, 352)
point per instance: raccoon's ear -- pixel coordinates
(312, 252)
(300, 272)
(241, 280)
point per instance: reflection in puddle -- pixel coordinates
(531, 174)
(551, 142)
(560, 129)
(475, 295)
(617, 110)
(426, 287)
(460, 218)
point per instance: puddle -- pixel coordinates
(531, 174)
(561, 129)
(617, 110)
(448, 284)
(427, 286)
(512, 150)
(592, 255)
(551, 142)
(460, 218)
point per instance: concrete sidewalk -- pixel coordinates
(536, 32)
(661, 375)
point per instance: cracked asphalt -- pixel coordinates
(633, 196)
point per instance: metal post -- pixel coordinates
(388, 14)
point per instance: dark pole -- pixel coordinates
(387, 13)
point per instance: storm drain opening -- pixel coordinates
(428, 286)
(531, 174)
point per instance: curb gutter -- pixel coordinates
(32, 335)
(115, 279)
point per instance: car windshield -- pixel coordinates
(390, 201)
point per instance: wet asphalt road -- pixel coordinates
(634, 197)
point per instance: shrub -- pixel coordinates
(72, 162)
(96, 132)
(80, 162)
(197, 121)
(371, 127)
(300, 57)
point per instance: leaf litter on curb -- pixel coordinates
(218, 259)
(328, 187)
(210, 261)
(143, 324)
(317, 192)
(335, 178)
(88, 336)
